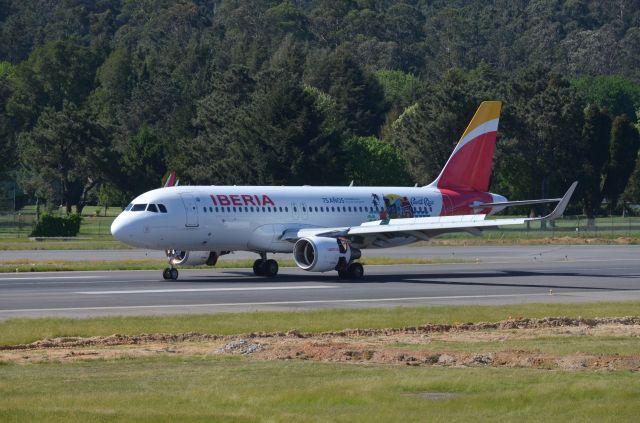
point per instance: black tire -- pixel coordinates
(270, 268)
(356, 271)
(258, 267)
(343, 274)
(166, 273)
(174, 274)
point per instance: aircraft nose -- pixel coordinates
(119, 229)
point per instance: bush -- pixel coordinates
(50, 225)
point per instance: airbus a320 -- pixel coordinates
(325, 227)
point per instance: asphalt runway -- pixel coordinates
(501, 275)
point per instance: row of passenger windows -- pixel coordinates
(321, 209)
(148, 207)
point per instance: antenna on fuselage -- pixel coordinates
(351, 184)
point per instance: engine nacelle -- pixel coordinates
(196, 258)
(322, 254)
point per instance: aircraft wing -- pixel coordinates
(380, 233)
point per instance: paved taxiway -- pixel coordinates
(502, 275)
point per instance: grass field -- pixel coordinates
(18, 331)
(232, 388)
(239, 390)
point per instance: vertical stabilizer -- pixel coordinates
(469, 166)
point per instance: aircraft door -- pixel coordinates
(190, 209)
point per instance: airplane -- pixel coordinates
(324, 227)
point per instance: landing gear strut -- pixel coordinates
(170, 273)
(264, 267)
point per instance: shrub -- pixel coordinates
(50, 225)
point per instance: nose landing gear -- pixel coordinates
(170, 273)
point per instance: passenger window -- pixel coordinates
(333, 209)
(162, 208)
(246, 209)
(152, 208)
(262, 209)
(280, 209)
(316, 210)
(234, 209)
(286, 209)
(138, 207)
(216, 210)
(251, 209)
(349, 208)
(295, 209)
(269, 209)
(204, 209)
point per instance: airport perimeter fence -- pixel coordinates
(96, 224)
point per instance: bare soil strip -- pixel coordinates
(406, 346)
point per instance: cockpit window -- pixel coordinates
(162, 208)
(128, 207)
(138, 207)
(152, 208)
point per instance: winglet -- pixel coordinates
(559, 210)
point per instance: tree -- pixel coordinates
(615, 93)
(543, 151)
(56, 73)
(372, 162)
(62, 157)
(358, 95)
(623, 152)
(297, 147)
(595, 133)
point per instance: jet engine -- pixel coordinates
(322, 254)
(195, 258)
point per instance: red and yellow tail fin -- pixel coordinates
(469, 166)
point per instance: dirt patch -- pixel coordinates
(459, 345)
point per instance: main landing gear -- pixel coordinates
(264, 267)
(353, 271)
(170, 273)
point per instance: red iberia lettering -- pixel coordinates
(248, 200)
(266, 201)
(242, 200)
(223, 200)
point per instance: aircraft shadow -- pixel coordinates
(462, 279)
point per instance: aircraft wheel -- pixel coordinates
(343, 274)
(174, 274)
(270, 268)
(258, 267)
(166, 273)
(356, 271)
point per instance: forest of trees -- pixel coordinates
(100, 98)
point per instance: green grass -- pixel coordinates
(240, 390)
(17, 331)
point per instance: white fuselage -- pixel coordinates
(255, 218)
